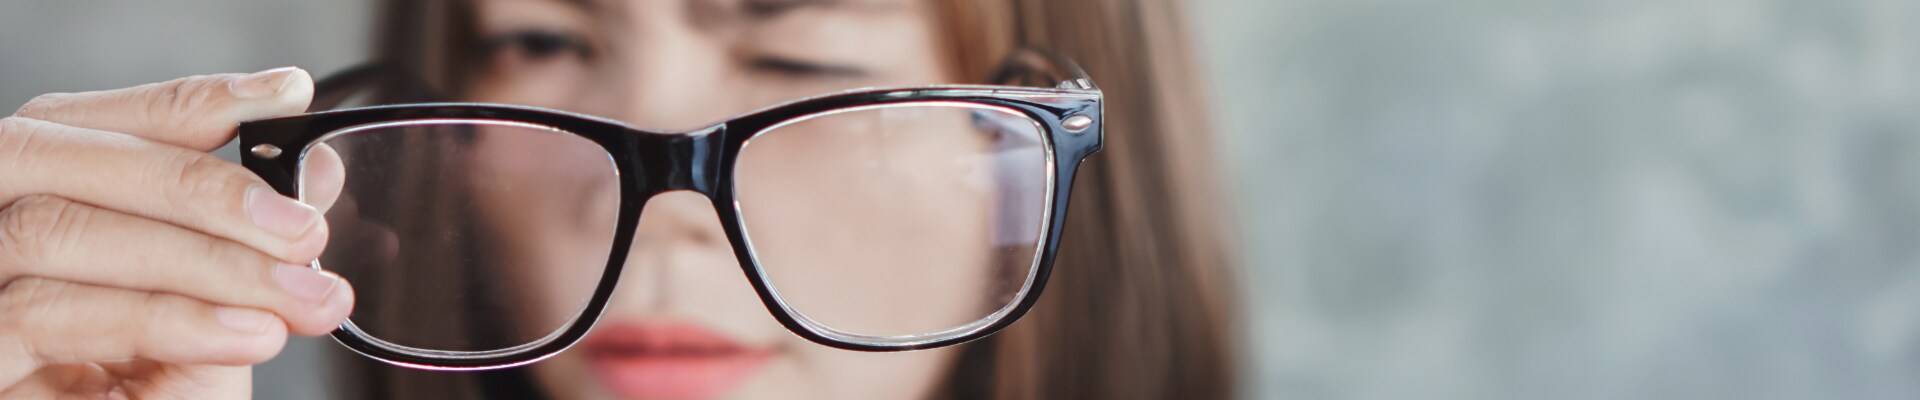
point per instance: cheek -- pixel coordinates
(869, 226)
(550, 204)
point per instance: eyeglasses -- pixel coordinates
(483, 236)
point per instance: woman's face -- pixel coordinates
(685, 322)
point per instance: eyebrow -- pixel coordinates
(768, 8)
(587, 6)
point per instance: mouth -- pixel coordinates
(669, 360)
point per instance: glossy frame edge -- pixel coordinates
(710, 152)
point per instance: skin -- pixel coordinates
(135, 265)
(929, 246)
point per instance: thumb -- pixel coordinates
(197, 112)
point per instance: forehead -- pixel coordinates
(734, 6)
(714, 15)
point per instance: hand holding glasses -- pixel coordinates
(487, 236)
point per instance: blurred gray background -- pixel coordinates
(1619, 199)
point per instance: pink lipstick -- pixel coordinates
(669, 360)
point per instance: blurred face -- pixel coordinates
(685, 323)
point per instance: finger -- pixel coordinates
(322, 177)
(147, 379)
(184, 187)
(198, 112)
(49, 322)
(361, 235)
(135, 379)
(54, 238)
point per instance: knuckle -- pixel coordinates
(180, 97)
(13, 125)
(36, 227)
(43, 105)
(203, 180)
(228, 254)
(161, 308)
(20, 136)
(23, 301)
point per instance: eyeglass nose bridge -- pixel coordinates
(677, 161)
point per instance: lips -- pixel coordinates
(669, 360)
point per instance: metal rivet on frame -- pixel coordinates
(1077, 123)
(266, 151)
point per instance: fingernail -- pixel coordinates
(243, 319)
(261, 84)
(278, 214)
(305, 282)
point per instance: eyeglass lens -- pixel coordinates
(896, 221)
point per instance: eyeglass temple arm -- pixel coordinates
(331, 91)
(1037, 65)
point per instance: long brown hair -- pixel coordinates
(1139, 305)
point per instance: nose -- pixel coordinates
(674, 77)
(680, 260)
(681, 219)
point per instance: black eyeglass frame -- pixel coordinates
(702, 160)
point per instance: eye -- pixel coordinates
(538, 44)
(804, 69)
(771, 8)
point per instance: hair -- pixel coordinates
(1139, 305)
